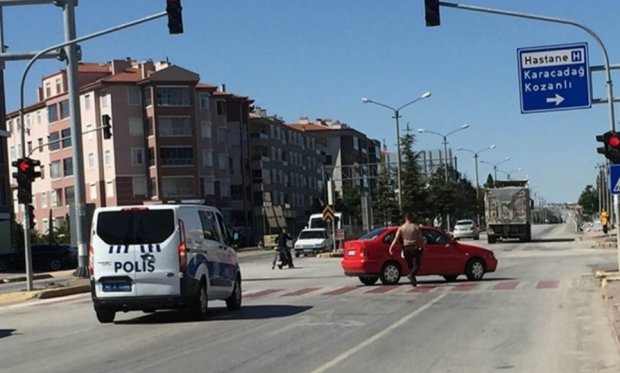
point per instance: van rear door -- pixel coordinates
(148, 249)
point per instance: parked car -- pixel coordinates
(368, 257)
(312, 241)
(466, 228)
(52, 257)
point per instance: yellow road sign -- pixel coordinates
(328, 213)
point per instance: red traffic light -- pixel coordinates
(23, 165)
(613, 140)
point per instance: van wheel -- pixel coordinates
(55, 264)
(233, 302)
(199, 306)
(105, 316)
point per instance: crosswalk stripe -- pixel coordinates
(547, 284)
(300, 292)
(382, 289)
(341, 290)
(506, 285)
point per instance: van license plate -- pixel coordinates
(116, 286)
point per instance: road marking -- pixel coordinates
(376, 337)
(507, 285)
(422, 289)
(382, 289)
(261, 293)
(341, 290)
(547, 284)
(464, 287)
(300, 292)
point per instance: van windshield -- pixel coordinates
(311, 234)
(320, 223)
(135, 226)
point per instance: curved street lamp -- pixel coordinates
(495, 167)
(397, 116)
(445, 154)
(475, 153)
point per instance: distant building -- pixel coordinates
(286, 174)
(172, 138)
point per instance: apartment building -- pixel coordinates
(351, 160)
(172, 138)
(286, 174)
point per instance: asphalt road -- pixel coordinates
(540, 312)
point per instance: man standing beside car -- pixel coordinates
(413, 244)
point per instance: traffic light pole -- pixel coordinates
(70, 46)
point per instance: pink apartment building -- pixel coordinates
(172, 138)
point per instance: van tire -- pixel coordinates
(199, 306)
(105, 316)
(233, 302)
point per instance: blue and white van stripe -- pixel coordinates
(124, 249)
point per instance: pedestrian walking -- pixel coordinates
(604, 220)
(283, 251)
(438, 222)
(412, 243)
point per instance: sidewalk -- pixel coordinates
(610, 286)
(73, 286)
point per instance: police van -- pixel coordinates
(150, 257)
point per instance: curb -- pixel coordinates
(61, 292)
(610, 288)
(23, 278)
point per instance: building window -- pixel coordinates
(146, 93)
(53, 141)
(58, 86)
(52, 113)
(89, 133)
(177, 187)
(153, 187)
(149, 126)
(223, 161)
(54, 194)
(109, 189)
(107, 158)
(221, 135)
(356, 143)
(137, 156)
(207, 158)
(69, 196)
(209, 187)
(220, 107)
(67, 166)
(87, 102)
(39, 117)
(48, 90)
(105, 99)
(176, 156)
(93, 191)
(66, 138)
(133, 95)
(175, 127)
(206, 129)
(64, 109)
(204, 100)
(135, 127)
(139, 185)
(224, 189)
(91, 160)
(151, 158)
(44, 199)
(172, 96)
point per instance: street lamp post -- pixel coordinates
(475, 153)
(495, 167)
(445, 155)
(397, 117)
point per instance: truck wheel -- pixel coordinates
(491, 239)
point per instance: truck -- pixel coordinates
(508, 211)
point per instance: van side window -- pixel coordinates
(223, 230)
(209, 225)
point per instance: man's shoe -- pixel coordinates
(280, 266)
(414, 281)
(273, 266)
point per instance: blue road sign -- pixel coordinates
(554, 78)
(614, 178)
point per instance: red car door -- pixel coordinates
(440, 255)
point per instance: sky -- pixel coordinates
(318, 59)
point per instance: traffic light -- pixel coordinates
(33, 173)
(24, 183)
(611, 146)
(175, 18)
(107, 126)
(33, 221)
(431, 8)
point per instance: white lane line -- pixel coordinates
(376, 337)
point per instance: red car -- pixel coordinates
(369, 259)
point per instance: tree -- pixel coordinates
(457, 197)
(588, 200)
(413, 195)
(385, 205)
